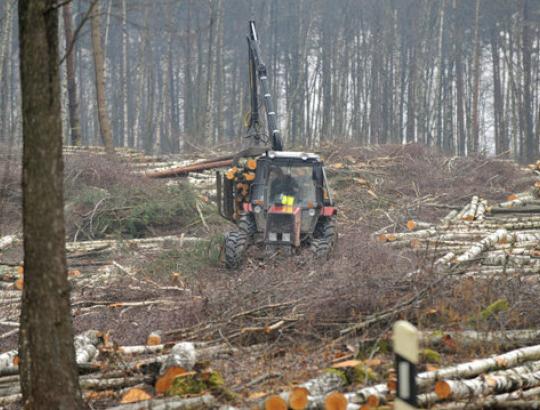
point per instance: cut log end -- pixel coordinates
(443, 389)
(373, 401)
(391, 383)
(154, 339)
(275, 402)
(19, 284)
(335, 401)
(135, 395)
(164, 382)
(298, 398)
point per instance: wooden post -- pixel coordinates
(405, 340)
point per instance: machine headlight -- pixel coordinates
(257, 209)
(286, 237)
(311, 212)
(272, 236)
(271, 155)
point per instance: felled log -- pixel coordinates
(9, 359)
(185, 170)
(499, 400)
(7, 241)
(481, 246)
(181, 360)
(479, 366)
(86, 346)
(511, 379)
(85, 351)
(138, 243)
(206, 401)
(472, 337)
(471, 211)
(470, 369)
(111, 383)
(317, 389)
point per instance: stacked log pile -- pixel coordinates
(507, 380)
(169, 375)
(481, 240)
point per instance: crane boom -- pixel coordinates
(258, 72)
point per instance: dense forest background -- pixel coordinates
(460, 75)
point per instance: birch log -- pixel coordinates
(479, 366)
(504, 400)
(512, 379)
(172, 403)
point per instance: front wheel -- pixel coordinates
(235, 247)
(324, 238)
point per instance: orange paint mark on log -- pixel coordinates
(411, 225)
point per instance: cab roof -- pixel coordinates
(291, 155)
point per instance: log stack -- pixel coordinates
(508, 380)
(481, 240)
(136, 377)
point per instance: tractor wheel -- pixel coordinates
(236, 242)
(247, 224)
(324, 238)
(235, 247)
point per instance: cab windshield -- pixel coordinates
(291, 181)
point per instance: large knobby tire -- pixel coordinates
(235, 248)
(324, 238)
(236, 242)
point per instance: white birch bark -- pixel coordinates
(512, 379)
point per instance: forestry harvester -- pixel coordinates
(276, 197)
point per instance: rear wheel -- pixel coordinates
(324, 238)
(236, 242)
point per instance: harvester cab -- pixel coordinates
(275, 197)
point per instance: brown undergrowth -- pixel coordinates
(308, 313)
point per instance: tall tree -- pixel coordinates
(99, 67)
(49, 377)
(474, 138)
(531, 144)
(73, 102)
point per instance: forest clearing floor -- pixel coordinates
(282, 320)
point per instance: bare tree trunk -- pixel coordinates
(220, 77)
(103, 116)
(125, 90)
(439, 86)
(460, 92)
(49, 378)
(210, 69)
(73, 101)
(474, 138)
(531, 144)
(4, 34)
(501, 135)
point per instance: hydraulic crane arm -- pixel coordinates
(258, 72)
